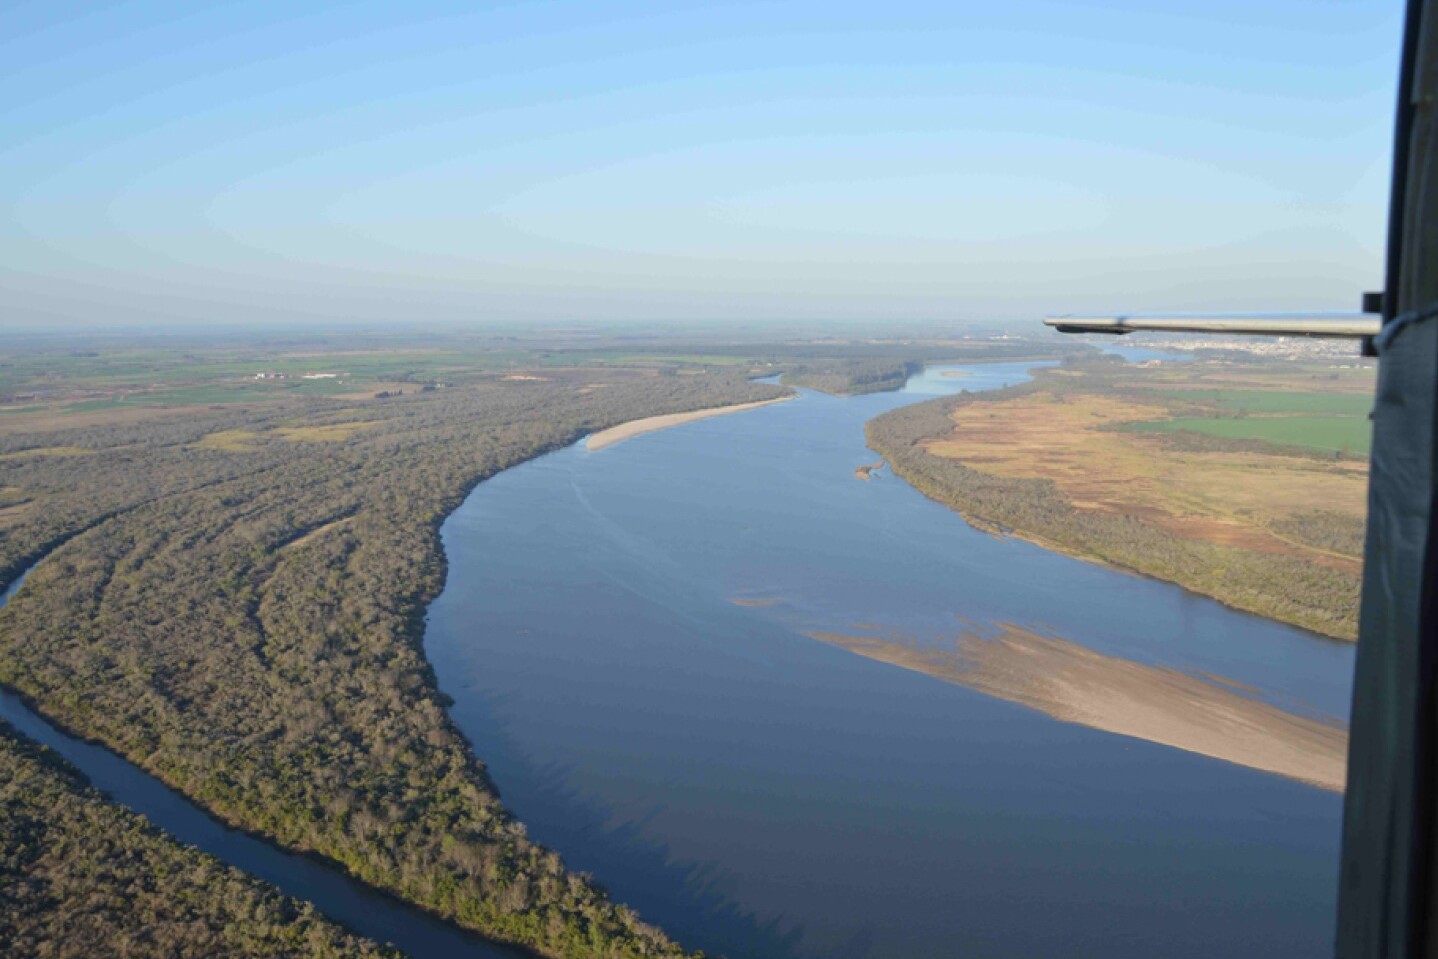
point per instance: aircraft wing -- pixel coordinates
(1335, 325)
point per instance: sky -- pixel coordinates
(263, 162)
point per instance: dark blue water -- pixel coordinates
(342, 899)
(759, 793)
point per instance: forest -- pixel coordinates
(77, 870)
(233, 599)
(851, 377)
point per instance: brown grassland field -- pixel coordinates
(1226, 497)
(1083, 460)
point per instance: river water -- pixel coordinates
(624, 634)
(762, 794)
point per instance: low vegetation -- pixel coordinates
(81, 876)
(1273, 528)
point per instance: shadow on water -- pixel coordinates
(650, 870)
(703, 913)
(364, 910)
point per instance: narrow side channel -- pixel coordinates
(346, 901)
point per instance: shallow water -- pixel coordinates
(758, 793)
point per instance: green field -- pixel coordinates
(615, 357)
(222, 373)
(1271, 401)
(1338, 433)
(144, 369)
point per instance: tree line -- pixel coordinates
(78, 871)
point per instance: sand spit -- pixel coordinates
(1075, 684)
(616, 434)
(867, 472)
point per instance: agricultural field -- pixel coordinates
(1281, 401)
(1322, 420)
(102, 382)
(1345, 434)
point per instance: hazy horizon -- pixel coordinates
(571, 163)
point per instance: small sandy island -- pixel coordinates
(1075, 684)
(615, 434)
(867, 472)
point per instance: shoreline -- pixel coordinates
(65, 737)
(60, 731)
(649, 424)
(426, 912)
(1002, 531)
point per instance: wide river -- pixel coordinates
(624, 633)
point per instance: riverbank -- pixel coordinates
(241, 653)
(1265, 528)
(1160, 705)
(624, 431)
(79, 867)
(306, 887)
(653, 710)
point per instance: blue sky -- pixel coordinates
(269, 162)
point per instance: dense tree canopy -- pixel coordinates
(81, 876)
(234, 602)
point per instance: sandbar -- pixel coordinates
(867, 472)
(1074, 684)
(624, 431)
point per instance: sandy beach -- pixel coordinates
(1075, 684)
(616, 434)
